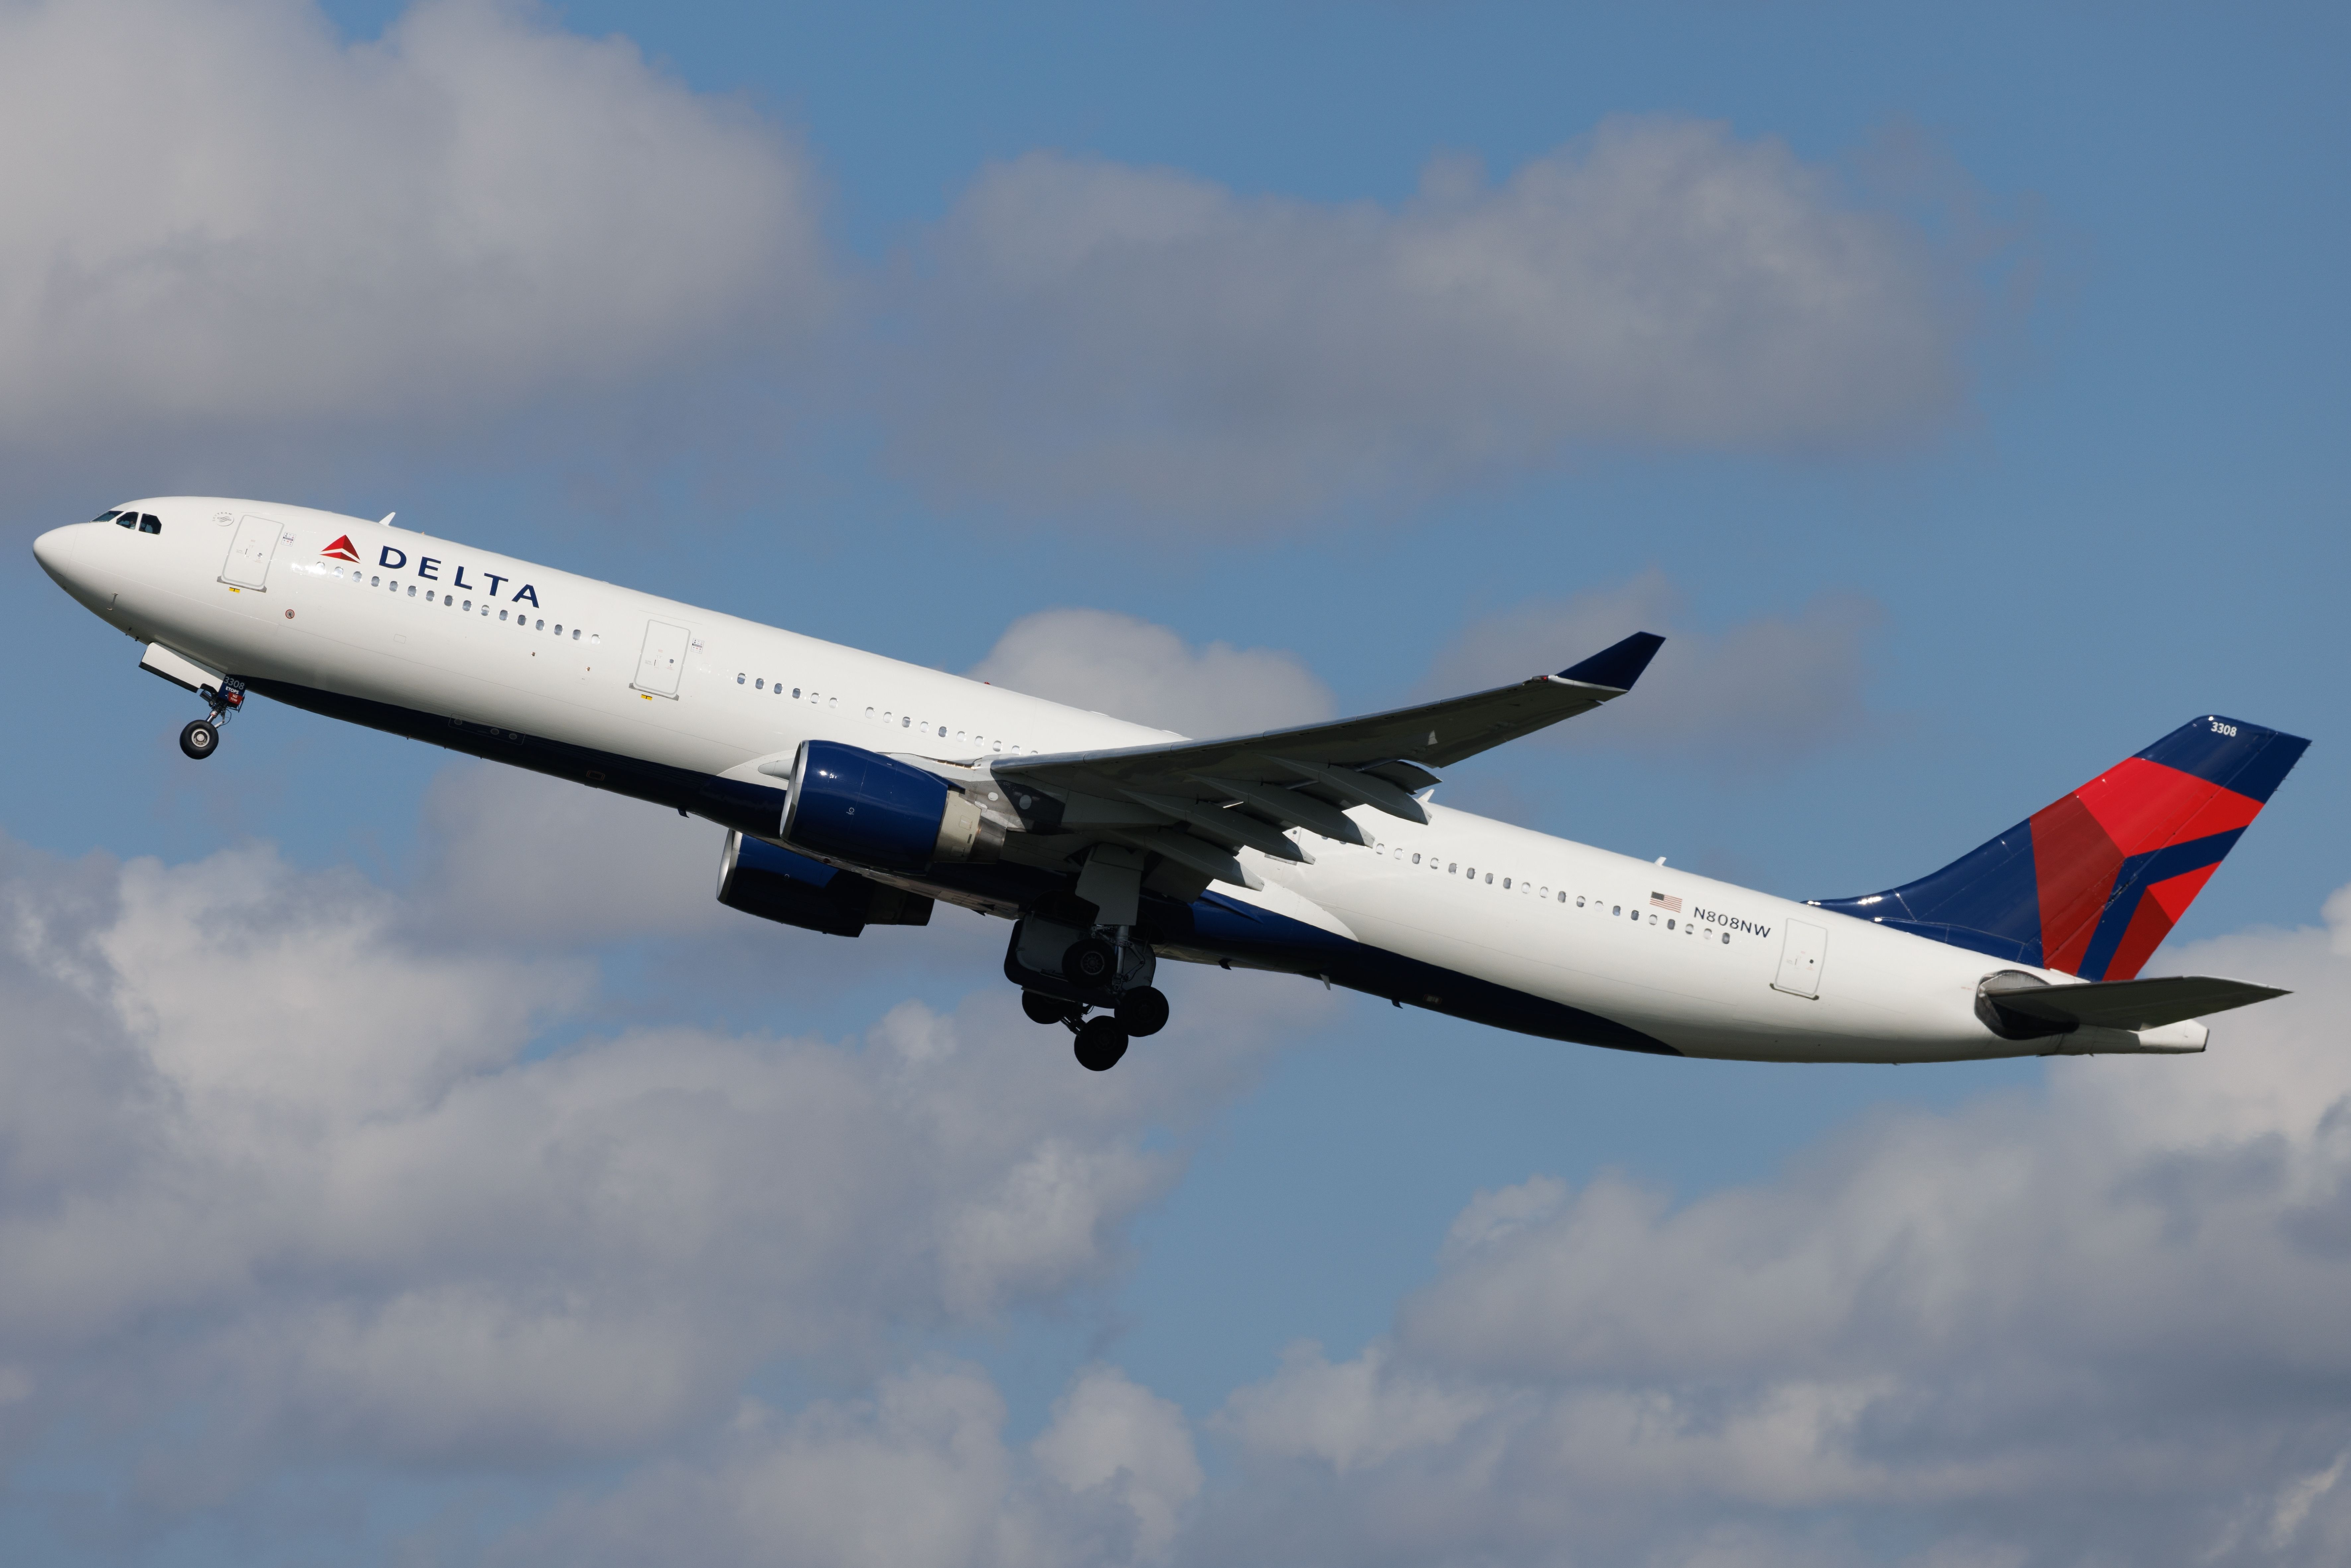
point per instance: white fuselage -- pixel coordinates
(431, 626)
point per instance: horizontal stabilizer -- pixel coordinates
(2121, 1004)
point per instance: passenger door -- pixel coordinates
(248, 554)
(663, 659)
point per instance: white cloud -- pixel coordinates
(2103, 1326)
(268, 1158)
(222, 218)
(273, 1157)
(1772, 688)
(1131, 669)
(1095, 335)
(517, 855)
(918, 1476)
(1109, 1432)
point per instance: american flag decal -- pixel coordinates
(1662, 901)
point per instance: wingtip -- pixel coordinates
(1619, 666)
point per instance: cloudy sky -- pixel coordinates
(406, 1163)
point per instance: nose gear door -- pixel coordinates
(248, 553)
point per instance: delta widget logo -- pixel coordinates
(341, 550)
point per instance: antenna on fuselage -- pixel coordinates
(387, 519)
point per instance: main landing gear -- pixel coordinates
(1102, 1040)
(201, 737)
(1071, 958)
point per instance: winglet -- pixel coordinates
(1618, 666)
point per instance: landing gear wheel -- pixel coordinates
(1099, 1044)
(1143, 1011)
(1042, 1009)
(1091, 962)
(200, 739)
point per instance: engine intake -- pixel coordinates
(861, 806)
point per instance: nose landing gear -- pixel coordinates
(201, 737)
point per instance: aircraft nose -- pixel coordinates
(55, 551)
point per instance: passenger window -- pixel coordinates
(906, 724)
(738, 677)
(149, 523)
(502, 614)
(468, 607)
(1506, 884)
(1669, 925)
(1615, 909)
(760, 684)
(943, 732)
(1415, 858)
(412, 590)
(1489, 880)
(375, 582)
(796, 692)
(1452, 866)
(1726, 938)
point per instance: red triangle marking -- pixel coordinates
(341, 549)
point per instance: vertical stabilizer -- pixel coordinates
(2092, 884)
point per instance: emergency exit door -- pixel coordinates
(248, 553)
(663, 659)
(1800, 960)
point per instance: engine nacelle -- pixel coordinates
(773, 884)
(861, 806)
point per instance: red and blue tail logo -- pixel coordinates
(2093, 884)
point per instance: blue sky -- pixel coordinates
(1960, 389)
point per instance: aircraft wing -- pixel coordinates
(1194, 801)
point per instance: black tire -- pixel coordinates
(1042, 1009)
(200, 739)
(1099, 1044)
(1143, 1011)
(1090, 963)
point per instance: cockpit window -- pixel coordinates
(149, 523)
(108, 516)
(126, 520)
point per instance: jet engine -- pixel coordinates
(773, 884)
(861, 806)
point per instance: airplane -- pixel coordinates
(859, 790)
